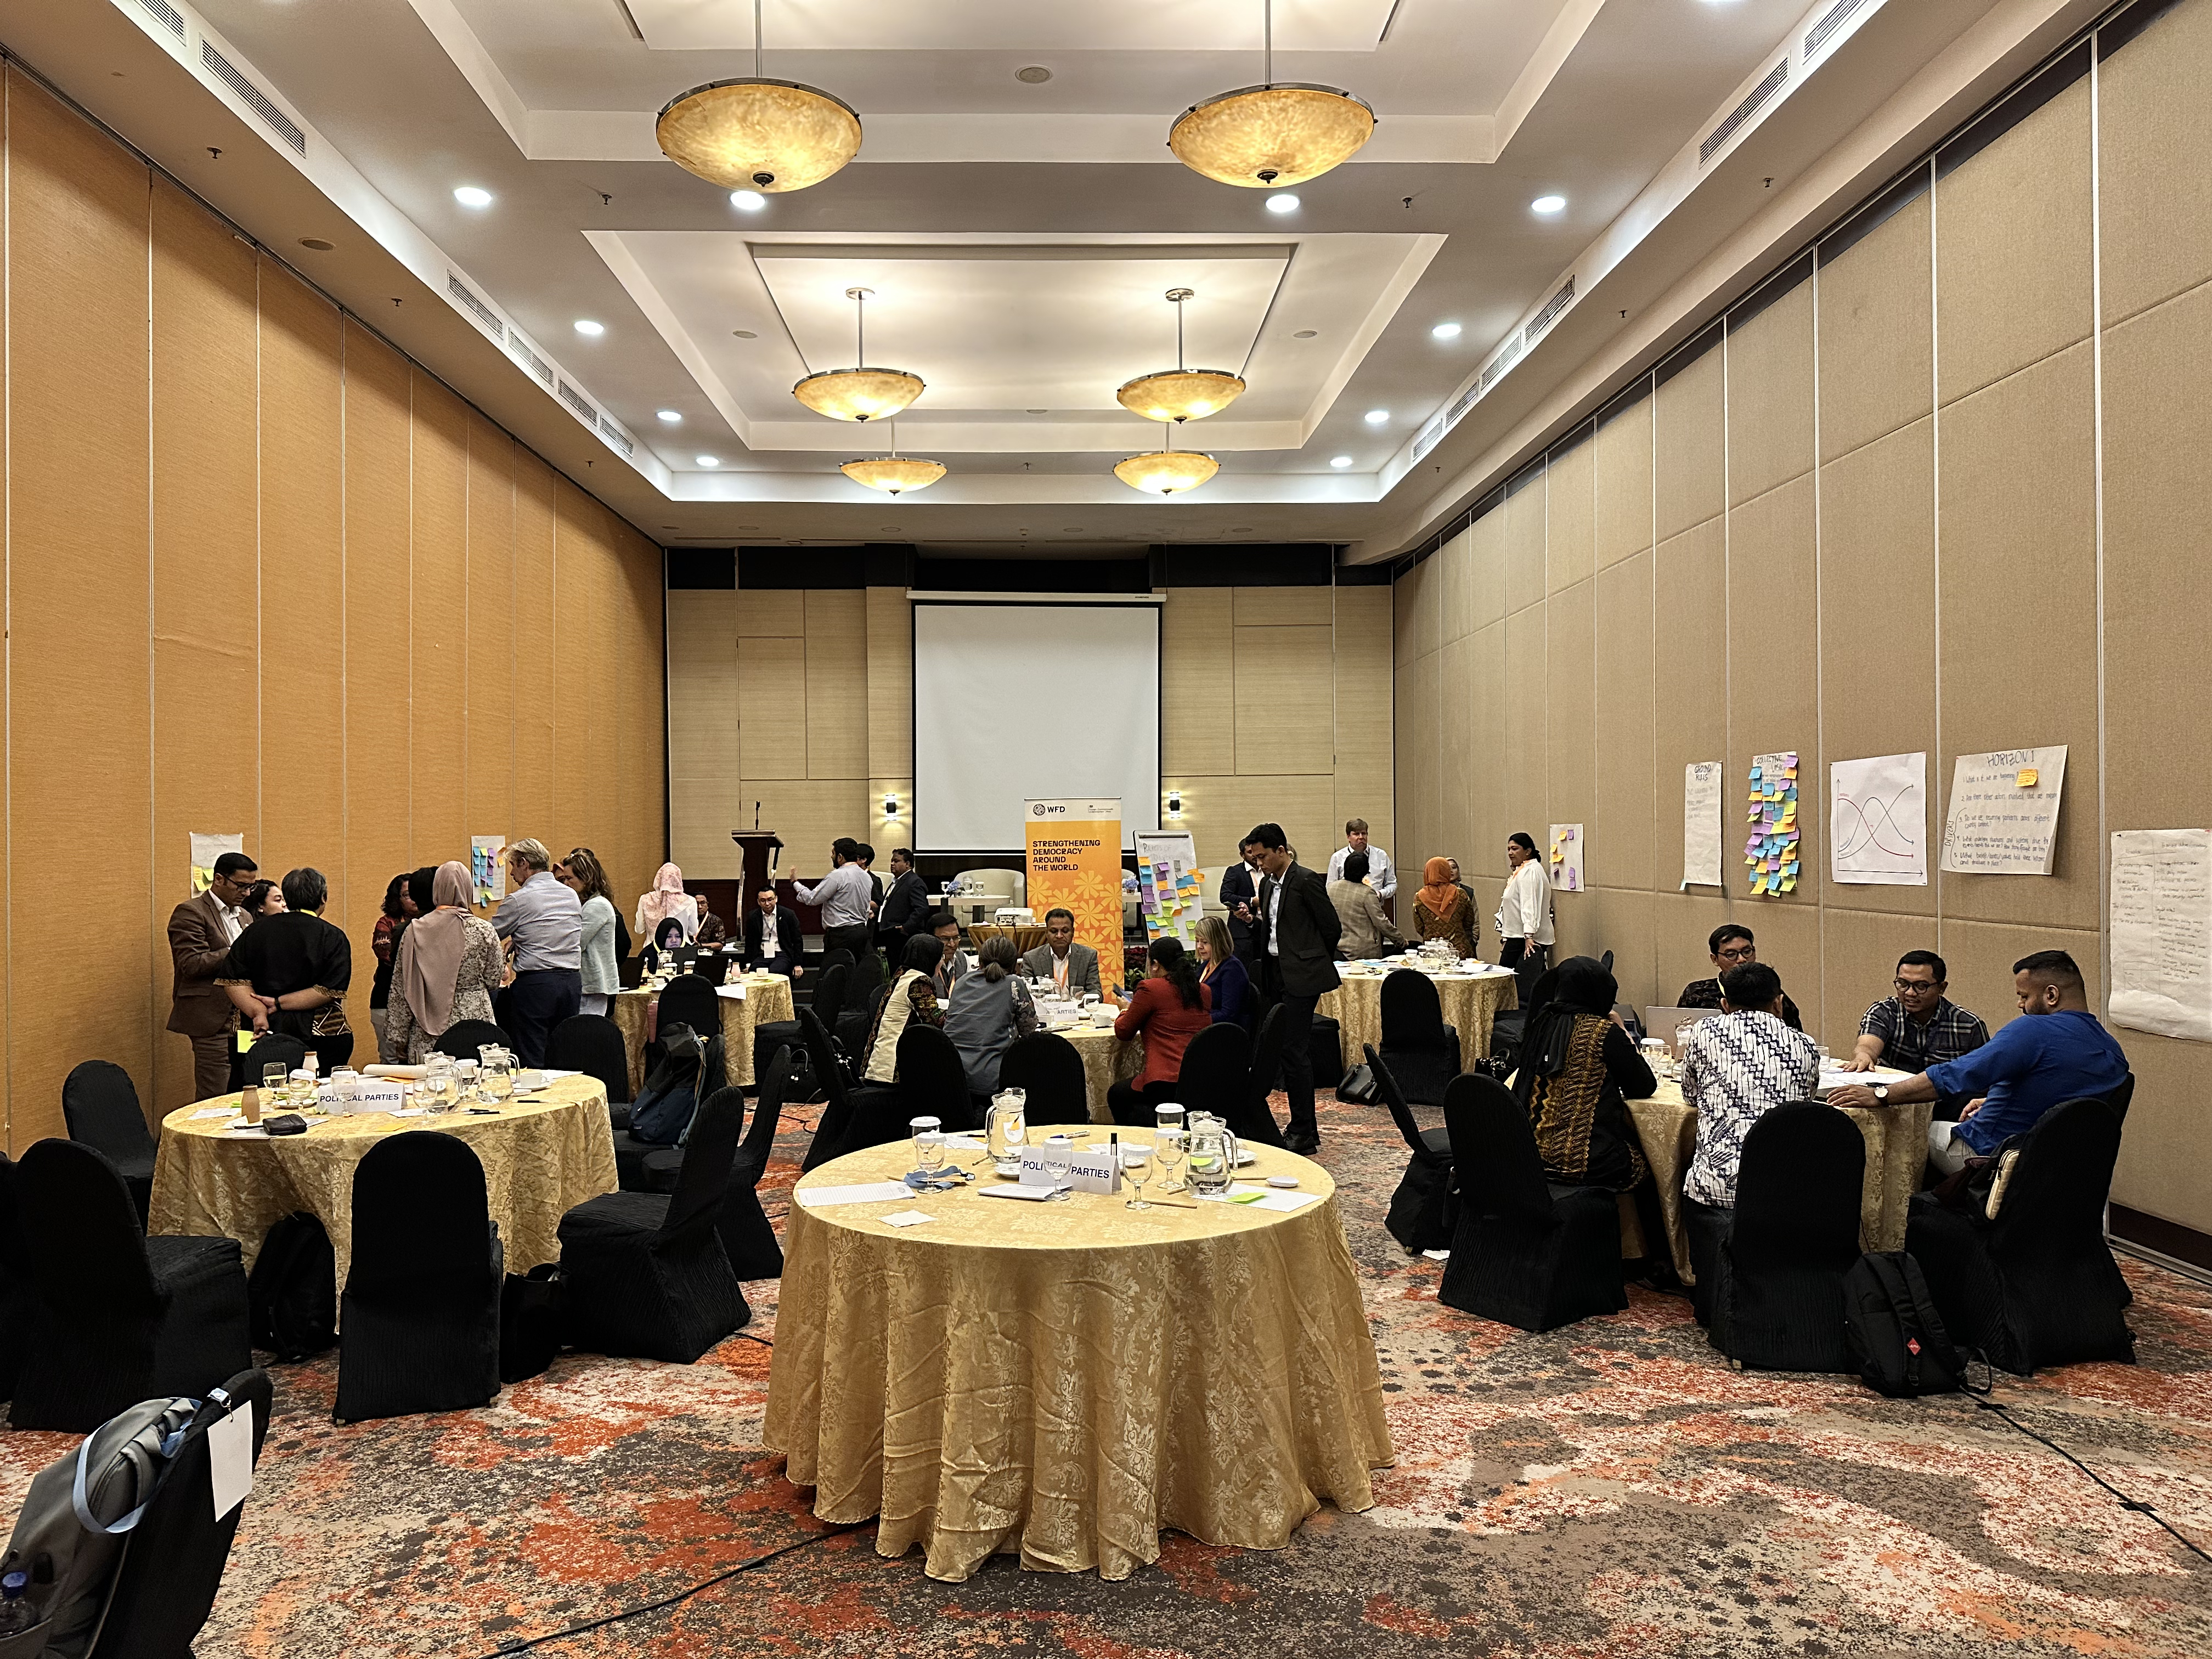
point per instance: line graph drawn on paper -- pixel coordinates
(1878, 821)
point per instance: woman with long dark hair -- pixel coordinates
(399, 909)
(1171, 1006)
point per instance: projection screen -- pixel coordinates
(1030, 702)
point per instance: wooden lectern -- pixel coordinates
(758, 846)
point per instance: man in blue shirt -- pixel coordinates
(2055, 1052)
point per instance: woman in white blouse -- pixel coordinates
(1524, 913)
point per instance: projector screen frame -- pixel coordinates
(917, 598)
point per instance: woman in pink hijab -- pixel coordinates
(666, 899)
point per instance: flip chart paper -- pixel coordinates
(206, 849)
(1998, 826)
(1878, 821)
(2161, 932)
(1701, 823)
(1566, 862)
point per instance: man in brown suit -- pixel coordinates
(201, 930)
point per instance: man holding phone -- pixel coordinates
(1295, 933)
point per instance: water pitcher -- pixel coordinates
(1008, 1128)
(1212, 1155)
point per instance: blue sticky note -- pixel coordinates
(1754, 772)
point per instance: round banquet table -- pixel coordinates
(1066, 1379)
(1471, 1003)
(767, 999)
(542, 1158)
(1896, 1152)
(1107, 1060)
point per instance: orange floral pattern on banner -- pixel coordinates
(1076, 866)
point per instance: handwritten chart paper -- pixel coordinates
(1701, 823)
(1769, 854)
(2004, 820)
(2162, 931)
(1566, 857)
(487, 870)
(206, 849)
(1878, 821)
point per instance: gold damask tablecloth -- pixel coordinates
(1897, 1150)
(1470, 1005)
(1066, 1379)
(542, 1158)
(1107, 1060)
(767, 998)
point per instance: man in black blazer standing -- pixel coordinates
(905, 905)
(1240, 887)
(1295, 930)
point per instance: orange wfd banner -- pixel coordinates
(1075, 865)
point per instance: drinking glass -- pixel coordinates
(273, 1081)
(464, 1080)
(1059, 1157)
(928, 1134)
(438, 1082)
(1167, 1151)
(302, 1098)
(1136, 1169)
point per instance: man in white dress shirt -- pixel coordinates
(1382, 874)
(847, 895)
(202, 930)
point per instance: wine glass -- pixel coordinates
(273, 1081)
(1136, 1169)
(303, 1091)
(1058, 1158)
(928, 1134)
(1167, 1150)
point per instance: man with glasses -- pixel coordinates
(202, 930)
(1919, 1026)
(1731, 946)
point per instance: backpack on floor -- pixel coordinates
(292, 1293)
(1896, 1337)
(532, 1309)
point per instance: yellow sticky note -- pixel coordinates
(2027, 778)
(1788, 884)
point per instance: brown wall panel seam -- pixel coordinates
(2096, 509)
(154, 1018)
(8, 393)
(1935, 497)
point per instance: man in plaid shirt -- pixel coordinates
(1919, 1026)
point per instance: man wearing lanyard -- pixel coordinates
(846, 896)
(1072, 968)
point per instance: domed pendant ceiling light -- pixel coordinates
(859, 394)
(757, 134)
(894, 474)
(1271, 135)
(1167, 472)
(1181, 394)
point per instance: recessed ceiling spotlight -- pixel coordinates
(748, 201)
(1339, 460)
(1284, 203)
(1377, 416)
(1305, 334)
(471, 196)
(743, 334)
(707, 460)
(1548, 204)
(317, 243)
(1036, 74)
(670, 415)
(1445, 332)
(588, 329)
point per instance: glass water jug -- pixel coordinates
(1212, 1155)
(1008, 1128)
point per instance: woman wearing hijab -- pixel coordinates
(288, 972)
(666, 899)
(1579, 1068)
(1442, 908)
(666, 939)
(448, 970)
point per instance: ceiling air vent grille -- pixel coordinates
(476, 307)
(1461, 405)
(256, 99)
(580, 404)
(1552, 307)
(171, 18)
(1754, 101)
(1504, 360)
(1831, 20)
(529, 359)
(1426, 439)
(614, 435)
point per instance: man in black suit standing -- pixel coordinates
(1295, 930)
(1240, 887)
(905, 905)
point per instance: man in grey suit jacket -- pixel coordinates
(201, 932)
(1072, 967)
(1295, 930)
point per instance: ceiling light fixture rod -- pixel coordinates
(1267, 42)
(859, 296)
(1176, 296)
(756, 35)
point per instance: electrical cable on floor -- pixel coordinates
(2126, 1502)
(750, 1337)
(680, 1596)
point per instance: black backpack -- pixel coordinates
(1896, 1336)
(292, 1293)
(532, 1310)
(674, 1085)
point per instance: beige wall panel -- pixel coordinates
(1980, 955)
(1774, 693)
(1789, 937)
(2161, 1167)
(1454, 750)
(438, 752)
(2013, 275)
(810, 813)
(1526, 679)
(1487, 715)
(1629, 841)
(490, 751)
(1285, 698)
(1770, 396)
(2019, 570)
(837, 684)
(1859, 950)
(78, 672)
(1458, 555)
(1223, 809)
(772, 692)
(1418, 598)
(1681, 923)
(702, 683)
(702, 812)
(772, 613)
(1623, 922)
(1363, 691)
(2154, 193)
(1487, 582)
(1690, 699)
(1877, 332)
(645, 751)
(1198, 681)
(205, 572)
(1878, 626)
(1524, 513)
(1570, 512)
(1280, 607)
(588, 738)
(1620, 484)
(1571, 709)
(891, 688)
(1420, 777)
(537, 639)
(2158, 612)
(1688, 445)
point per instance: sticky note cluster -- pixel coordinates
(1770, 851)
(1164, 892)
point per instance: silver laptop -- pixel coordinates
(1668, 1025)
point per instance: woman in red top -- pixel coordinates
(1170, 1006)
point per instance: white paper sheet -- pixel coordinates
(1034, 1194)
(864, 1192)
(1878, 821)
(230, 1458)
(213, 1111)
(735, 992)
(1701, 823)
(1286, 1201)
(1564, 860)
(1996, 825)
(2161, 932)
(907, 1218)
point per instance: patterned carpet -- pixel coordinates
(1611, 1489)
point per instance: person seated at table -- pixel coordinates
(581, 872)
(661, 945)
(288, 972)
(714, 933)
(988, 1009)
(2055, 1052)
(449, 969)
(1227, 981)
(912, 996)
(1072, 967)
(1444, 909)
(1731, 946)
(1170, 1006)
(1919, 1026)
(1579, 1067)
(773, 942)
(1736, 1070)
(945, 934)
(1365, 927)
(666, 899)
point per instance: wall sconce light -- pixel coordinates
(890, 806)
(1174, 803)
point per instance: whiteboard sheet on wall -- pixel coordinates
(1016, 702)
(2161, 932)
(1878, 821)
(1701, 824)
(2004, 820)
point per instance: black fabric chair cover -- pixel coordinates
(770, 1034)
(1216, 1075)
(18, 1305)
(1522, 1253)
(1506, 1028)
(1326, 1046)
(748, 1239)
(1422, 1050)
(2038, 1285)
(1777, 1299)
(828, 1004)
(116, 1317)
(830, 1081)
(593, 1044)
(933, 1081)
(100, 1105)
(1267, 1053)
(166, 1586)
(647, 1274)
(274, 1049)
(464, 1037)
(689, 999)
(1422, 1210)
(418, 1324)
(2121, 1097)
(1256, 1121)
(1048, 1069)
